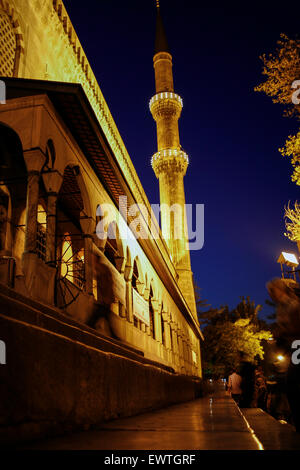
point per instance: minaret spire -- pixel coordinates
(170, 163)
(161, 43)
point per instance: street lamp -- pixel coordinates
(290, 260)
(280, 357)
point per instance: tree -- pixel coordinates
(292, 222)
(201, 304)
(282, 70)
(227, 333)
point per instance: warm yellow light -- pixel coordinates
(288, 258)
(166, 95)
(280, 357)
(169, 153)
(42, 216)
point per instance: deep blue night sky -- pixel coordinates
(231, 133)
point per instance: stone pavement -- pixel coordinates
(211, 423)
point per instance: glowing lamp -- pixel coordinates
(289, 259)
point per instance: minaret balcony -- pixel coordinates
(166, 102)
(170, 160)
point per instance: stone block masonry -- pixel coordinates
(59, 379)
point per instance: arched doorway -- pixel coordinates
(13, 191)
(113, 250)
(163, 333)
(70, 251)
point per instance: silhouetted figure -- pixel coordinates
(247, 373)
(286, 332)
(234, 386)
(260, 389)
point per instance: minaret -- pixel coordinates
(170, 163)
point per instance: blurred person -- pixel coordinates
(287, 330)
(260, 389)
(234, 386)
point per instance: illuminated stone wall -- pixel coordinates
(52, 51)
(110, 285)
(48, 48)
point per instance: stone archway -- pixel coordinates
(13, 190)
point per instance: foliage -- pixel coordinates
(292, 149)
(201, 304)
(293, 225)
(282, 69)
(227, 333)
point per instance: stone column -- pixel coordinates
(185, 353)
(51, 229)
(34, 160)
(128, 277)
(87, 224)
(180, 347)
(88, 263)
(165, 319)
(175, 343)
(157, 324)
(52, 182)
(129, 301)
(31, 211)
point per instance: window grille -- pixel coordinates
(41, 242)
(78, 273)
(8, 46)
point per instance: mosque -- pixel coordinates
(98, 316)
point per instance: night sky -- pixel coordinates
(231, 133)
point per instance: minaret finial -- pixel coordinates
(161, 43)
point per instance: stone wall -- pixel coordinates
(57, 378)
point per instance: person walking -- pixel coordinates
(260, 389)
(234, 386)
(286, 333)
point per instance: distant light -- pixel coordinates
(288, 258)
(280, 357)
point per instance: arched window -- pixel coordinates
(135, 275)
(66, 258)
(162, 326)
(69, 239)
(134, 281)
(111, 251)
(41, 232)
(72, 263)
(171, 339)
(50, 154)
(114, 247)
(151, 313)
